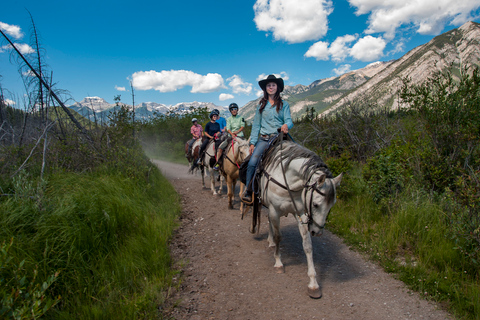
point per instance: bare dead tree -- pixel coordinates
(52, 93)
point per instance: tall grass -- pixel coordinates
(411, 236)
(104, 234)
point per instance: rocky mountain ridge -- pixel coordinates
(91, 107)
(381, 81)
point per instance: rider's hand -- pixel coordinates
(252, 147)
(284, 128)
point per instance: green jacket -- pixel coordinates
(234, 123)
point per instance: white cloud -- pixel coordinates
(292, 21)
(368, 48)
(169, 81)
(11, 30)
(225, 96)
(337, 50)
(282, 75)
(259, 93)
(427, 16)
(238, 86)
(10, 102)
(342, 69)
(22, 47)
(120, 88)
(319, 51)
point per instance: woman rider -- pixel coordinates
(271, 115)
(235, 126)
(211, 129)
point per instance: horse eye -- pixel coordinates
(315, 205)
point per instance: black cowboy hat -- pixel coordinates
(271, 78)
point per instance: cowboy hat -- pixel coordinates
(271, 78)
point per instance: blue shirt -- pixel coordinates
(222, 122)
(269, 121)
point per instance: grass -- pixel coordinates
(410, 236)
(104, 234)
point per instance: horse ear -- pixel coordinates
(337, 180)
(321, 179)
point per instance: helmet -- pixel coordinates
(214, 113)
(232, 106)
(194, 119)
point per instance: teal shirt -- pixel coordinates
(269, 121)
(234, 123)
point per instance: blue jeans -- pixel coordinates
(256, 155)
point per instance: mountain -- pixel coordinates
(321, 93)
(96, 107)
(452, 50)
(381, 81)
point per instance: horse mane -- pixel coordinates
(287, 151)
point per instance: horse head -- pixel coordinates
(320, 196)
(242, 151)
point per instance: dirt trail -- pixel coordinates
(228, 272)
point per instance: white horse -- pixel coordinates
(295, 180)
(235, 153)
(208, 163)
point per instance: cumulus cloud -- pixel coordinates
(120, 88)
(342, 69)
(259, 93)
(22, 47)
(319, 51)
(239, 86)
(169, 81)
(11, 30)
(427, 16)
(293, 22)
(225, 96)
(338, 50)
(10, 102)
(368, 48)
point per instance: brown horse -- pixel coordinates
(236, 152)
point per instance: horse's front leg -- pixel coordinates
(202, 172)
(230, 188)
(242, 187)
(212, 181)
(313, 287)
(274, 237)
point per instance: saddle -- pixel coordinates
(272, 142)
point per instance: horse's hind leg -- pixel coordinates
(313, 287)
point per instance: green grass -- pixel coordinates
(411, 237)
(106, 236)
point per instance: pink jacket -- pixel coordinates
(196, 130)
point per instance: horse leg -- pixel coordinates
(202, 171)
(313, 287)
(230, 188)
(242, 186)
(275, 235)
(212, 182)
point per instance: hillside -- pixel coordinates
(381, 81)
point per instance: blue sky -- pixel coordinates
(214, 51)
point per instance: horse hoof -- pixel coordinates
(252, 230)
(314, 293)
(280, 269)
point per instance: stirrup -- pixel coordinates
(245, 201)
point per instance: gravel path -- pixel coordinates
(227, 273)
